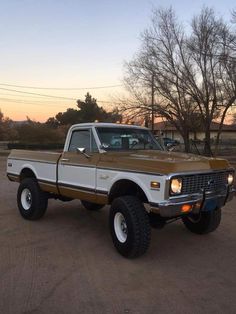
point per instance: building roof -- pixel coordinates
(167, 126)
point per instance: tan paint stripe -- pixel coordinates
(47, 187)
(83, 195)
(68, 192)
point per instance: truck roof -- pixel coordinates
(101, 124)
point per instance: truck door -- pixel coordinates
(76, 172)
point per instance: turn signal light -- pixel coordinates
(186, 208)
(155, 185)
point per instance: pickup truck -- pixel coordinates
(145, 185)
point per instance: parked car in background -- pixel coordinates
(117, 140)
(169, 141)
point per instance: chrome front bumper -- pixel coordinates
(199, 202)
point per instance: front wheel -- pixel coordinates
(32, 202)
(129, 226)
(204, 222)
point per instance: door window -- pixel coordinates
(82, 139)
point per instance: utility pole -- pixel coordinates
(152, 103)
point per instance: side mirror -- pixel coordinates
(82, 151)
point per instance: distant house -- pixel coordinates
(168, 130)
(17, 123)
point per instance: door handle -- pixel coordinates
(65, 159)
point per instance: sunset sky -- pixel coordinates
(73, 44)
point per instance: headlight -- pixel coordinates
(230, 178)
(176, 186)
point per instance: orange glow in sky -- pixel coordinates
(19, 106)
(74, 44)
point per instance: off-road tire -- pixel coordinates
(92, 206)
(36, 207)
(205, 223)
(137, 223)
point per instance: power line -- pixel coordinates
(21, 101)
(62, 88)
(48, 101)
(14, 95)
(44, 102)
(51, 96)
(28, 97)
(43, 95)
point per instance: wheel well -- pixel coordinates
(126, 187)
(27, 173)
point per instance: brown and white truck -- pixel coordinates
(124, 166)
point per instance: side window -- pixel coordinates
(82, 139)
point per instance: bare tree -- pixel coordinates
(234, 16)
(194, 75)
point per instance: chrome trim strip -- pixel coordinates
(12, 174)
(32, 160)
(75, 165)
(81, 188)
(193, 198)
(47, 182)
(187, 195)
(186, 173)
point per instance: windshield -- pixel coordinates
(119, 138)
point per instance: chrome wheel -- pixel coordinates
(120, 227)
(26, 199)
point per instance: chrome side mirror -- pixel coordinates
(82, 151)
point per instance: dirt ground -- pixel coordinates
(66, 263)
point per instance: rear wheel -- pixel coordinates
(129, 226)
(31, 200)
(204, 222)
(92, 206)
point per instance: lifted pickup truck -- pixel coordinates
(145, 185)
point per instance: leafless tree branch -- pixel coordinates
(194, 75)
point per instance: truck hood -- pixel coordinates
(161, 162)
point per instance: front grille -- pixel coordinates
(209, 182)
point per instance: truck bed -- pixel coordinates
(43, 164)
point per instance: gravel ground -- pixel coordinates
(66, 263)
